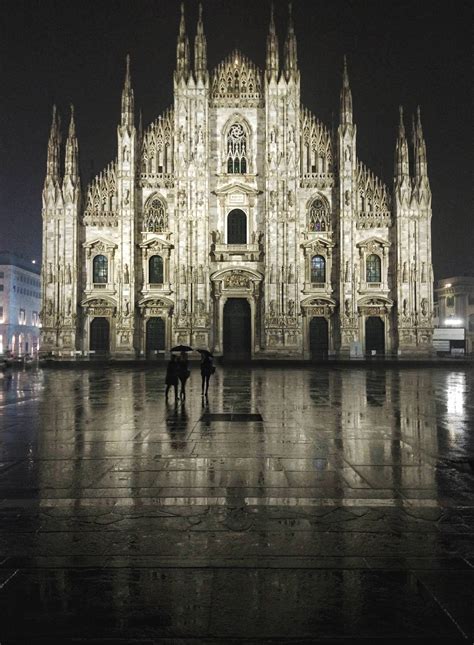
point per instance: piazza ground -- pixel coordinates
(295, 505)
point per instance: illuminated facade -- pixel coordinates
(20, 301)
(239, 222)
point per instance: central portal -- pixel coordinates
(237, 329)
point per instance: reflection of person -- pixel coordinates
(207, 369)
(183, 373)
(172, 377)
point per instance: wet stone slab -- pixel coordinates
(298, 505)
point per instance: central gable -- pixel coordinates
(237, 82)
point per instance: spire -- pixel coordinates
(419, 148)
(128, 113)
(72, 150)
(272, 49)
(401, 170)
(182, 50)
(52, 163)
(346, 98)
(291, 58)
(200, 49)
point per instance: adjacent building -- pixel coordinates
(20, 302)
(454, 307)
(237, 221)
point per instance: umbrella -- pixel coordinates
(181, 348)
(206, 352)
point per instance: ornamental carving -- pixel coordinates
(158, 148)
(316, 147)
(374, 203)
(236, 280)
(102, 199)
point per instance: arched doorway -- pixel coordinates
(374, 335)
(100, 335)
(155, 336)
(237, 329)
(236, 227)
(319, 337)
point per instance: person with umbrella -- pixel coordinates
(207, 369)
(183, 367)
(172, 377)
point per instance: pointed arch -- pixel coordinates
(237, 146)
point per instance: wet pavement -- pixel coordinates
(296, 505)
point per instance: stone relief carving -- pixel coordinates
(236, 280)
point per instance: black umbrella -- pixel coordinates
(206, 352)
(181, 348)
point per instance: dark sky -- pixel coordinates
(409, 52)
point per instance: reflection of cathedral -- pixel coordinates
(237, 221)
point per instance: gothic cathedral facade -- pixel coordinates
(238, 222)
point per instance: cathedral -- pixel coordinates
(238, 222)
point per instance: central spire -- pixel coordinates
(272, 49)
(71, 158)
(291, 57)
(346, 98)
(182, 50)
(128, 104)
(200, 49)
(402, 170)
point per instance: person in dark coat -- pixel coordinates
(172, 377)
(183, 373)
(207, 369)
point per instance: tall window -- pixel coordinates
(237, 150)
(236, 227)
(155, 220)
(373, 268)
(318, 269)
(318, 216)
(100, 269)
(155, 269)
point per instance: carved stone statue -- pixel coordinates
(347, 307)
(127, 308)
(200, 308)
(291, 307)
(291, 274)
(68, 274)
(126, 274)
(184, 307)
(405, 273)
(271, 308)
(50, 272)
(346, 273)
(405, 307)
(183, 274)
(69, 306)
(424, 306)
(423, 271)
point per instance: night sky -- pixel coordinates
(409, 52)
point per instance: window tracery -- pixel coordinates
(155, 218)
(319, 216)
(236, 149)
